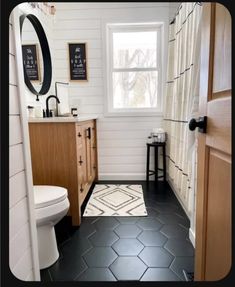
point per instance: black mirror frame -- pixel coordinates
(47, 67)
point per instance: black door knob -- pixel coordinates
(199, 123)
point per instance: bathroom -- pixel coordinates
(104, 160)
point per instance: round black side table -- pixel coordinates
(149, 172)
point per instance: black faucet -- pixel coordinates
(47, 104)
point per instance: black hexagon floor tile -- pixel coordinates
(103, 238)
(96, 274)
(127, 231)
(186, 223)
(165, 208)
(85, 230)
(67, 269)
(89, 219)
(159, 274)
(127, 247)
(152, 238)
(128, 268)
(91, 244)
(149, 223)
(149, 202)
(181, 212)
(45, 275)
(75, 248)
(152, 212)
(100, 257)
(127, 219)
(174, 230)
(182, 263)
(162, 198)
(156, 257)
(179, 247)
(172, 219)
(108, 223)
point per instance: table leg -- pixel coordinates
(164, 162)
(156, 164)
(147, 167)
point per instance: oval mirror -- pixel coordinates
(36, 55)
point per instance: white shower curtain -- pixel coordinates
(181, 100)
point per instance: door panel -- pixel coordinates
(219, 124)
(218, 216)
(222, 52)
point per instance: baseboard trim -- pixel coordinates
(176, 194)
(191, 232)
(192, 237)
(121, 176)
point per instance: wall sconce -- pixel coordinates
(52, 10)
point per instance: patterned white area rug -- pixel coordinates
(116, 200)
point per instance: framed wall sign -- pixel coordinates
(31, 61)
(78, 62)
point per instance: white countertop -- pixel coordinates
(62, 119)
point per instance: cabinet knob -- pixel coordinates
(94, 147)
(80, 161)
(94, 167)
(81, 189)
(79, 135)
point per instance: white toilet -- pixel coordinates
(51, 205)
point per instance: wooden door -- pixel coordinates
(213, 207)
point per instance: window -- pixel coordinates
(134, 68)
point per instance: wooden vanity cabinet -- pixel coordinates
(65, 154)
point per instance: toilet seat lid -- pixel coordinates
(46, 195)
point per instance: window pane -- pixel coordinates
(135, 89)
(135, 49)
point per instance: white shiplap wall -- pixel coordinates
(22, 260)
(121, 140)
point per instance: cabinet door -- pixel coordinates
(88, 148)
(86, 154)
(82, 181)
(93, 152)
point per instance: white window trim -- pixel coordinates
(130, 27)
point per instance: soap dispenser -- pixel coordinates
(38, 109)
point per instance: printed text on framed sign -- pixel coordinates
(31, 61)
(78, 61)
